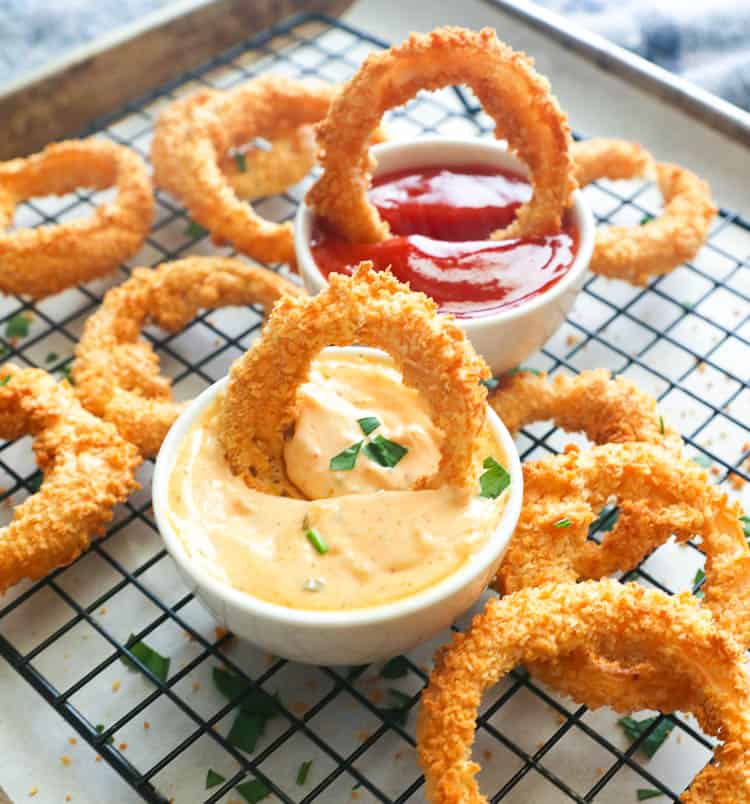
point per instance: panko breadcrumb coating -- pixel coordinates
(510, 90)
(47, 259)
(88, 468)
(620, 622)
(370, 308)
(117, 372)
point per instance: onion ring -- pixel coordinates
(511, 92)
(88, 468)
(193, 135)
(47, 259)
(117, 373)
(637, 253)
(370, 308)
(620, 622)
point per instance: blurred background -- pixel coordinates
(708, 43)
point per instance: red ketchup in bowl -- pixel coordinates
(441, 220)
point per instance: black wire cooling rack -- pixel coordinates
(685, 338)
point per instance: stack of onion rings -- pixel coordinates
(45, 260)
(194, 136)
(369, 308)
(88, 468)
(511, 92)
(622, 623)
(637, 253)
(117, 373)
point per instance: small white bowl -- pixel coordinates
(507, 338)
(352, 637)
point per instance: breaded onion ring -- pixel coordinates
(605, 408)
(194, 135)
(637, 253)
(88, 468)
(117, 373)
(369, 308)
(620, 622)
(511, 92)
(47, 259)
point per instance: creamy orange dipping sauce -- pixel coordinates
(384, 542)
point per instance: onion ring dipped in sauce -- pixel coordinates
(658, 246)
(44, 260)
(194, 135)
(88, 468)
(117, 372)
(620, 622)
(361, 484)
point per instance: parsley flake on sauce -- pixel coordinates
(494, 480)
(635, 729)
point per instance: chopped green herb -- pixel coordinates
(688, 305)
(213, 779)
(99, 729)
(697, 581)
(253, 791)
(646, 792)
(51, 357)
(344, 461)
(646, 218)
(18, 326)
(357, 786)
(5, 380)
(195, 230)
(151, 659)
(3, 350)
(245, 730)
(522, 369)
(35, 482)
(303, 771)
(606, 520)
(399, 712)
(317, 541)
(746, 526)
(241, 161)
(661, 425)
(562, 523)
(66, 373)
(254, 702)
(397, 667)
(368, 424)
(494, 480)
(490, 384)
(635, 729)
(703, 460)
(384, 452)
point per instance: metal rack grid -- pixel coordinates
(686, 338)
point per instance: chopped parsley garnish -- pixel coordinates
(35, 482)
(147, 656)
(241, 161)
(66, 373)
(494, 480)
(562, 523)
(697, 581)
(317, 541)
(368, 424)
(18, 326)
(606, 520)
(345, 461)
(646, 218)
(51, 357)
(644, 793)
(213, 779)
(384, 452)
(399, 712)
(522, 369)
(245, 730)
(746, 526)
(195, 230)
(304, 770)
(99, 729)
(255, 701)
(635, 729)
(5, 380)
(703, 460)
(490, 384)
(661, 425)
(397, 667)
(253, 791)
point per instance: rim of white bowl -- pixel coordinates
(582, 217)
(476, 564)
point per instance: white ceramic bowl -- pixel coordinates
(507, 338)
(349, 637)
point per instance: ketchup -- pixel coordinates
(440, 221)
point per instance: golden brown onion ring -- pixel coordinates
(194, 135)
(47, 259)
(638, 253)
(623, 623)
(511, 92)
(370, 308)
(88, 468)
(117, 372)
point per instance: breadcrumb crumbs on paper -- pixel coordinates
(355, 794)
(746, 446)
(600, 771)
(123, 746)
(701, 366)
(376, 696)
(68, 797)
(66, 760)
(715, 470)
(196, 686)
(299, 707)
(72, 740)
(571, 340)
(363, 735)
(33, 791)
(103, 611)
(220, 633)
(146, 725)
(487, 755)
(115, 686)
(98, 758)
(736, 482)
(398, 755)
